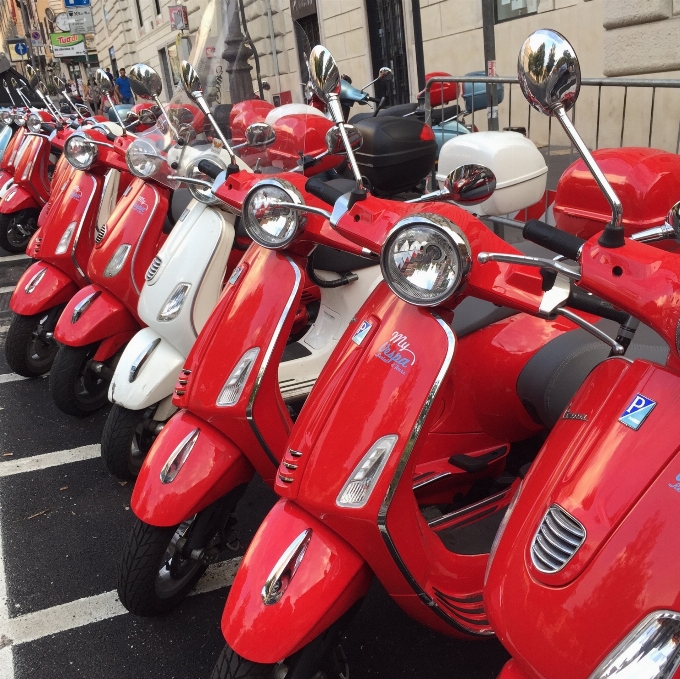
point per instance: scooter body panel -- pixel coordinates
(146, 371)
(195, 253)
(18, 198)
(103, 316)
(626, 567)
(213, 468)
(31, 170)
(330, 577)
(54, 287)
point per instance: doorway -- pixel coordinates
(388, 48)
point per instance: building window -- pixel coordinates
(139, 13)
(514, 9)
(158, 6)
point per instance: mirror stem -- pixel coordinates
(157, 101)
(73, 106)
(335, 109)
(198, 97)
(115, 110)
(612, 237)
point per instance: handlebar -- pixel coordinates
(210, 169)
(591, 304)
(561, 242)
(328, 194)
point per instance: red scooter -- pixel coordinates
(355, 502)
(88, 186)
(583, 583)
(101, 317)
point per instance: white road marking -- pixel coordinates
(4, 327)
(39, 624)
(13, 258)
(6, 655)
(9, 467)
(11, 377)
(7, 289)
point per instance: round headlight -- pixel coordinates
(34, 123)
(267, 222)
(425, 259)
(6, 117)
(142, 158)
(19, 118)
(80, 151)
(203, 195)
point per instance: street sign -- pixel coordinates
(36, 39)
(18, 50)
(80, 20)
(67, 45)
(179, 18)
(76, 3)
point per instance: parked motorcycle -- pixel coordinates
(582, 581)
(102, 317)
(414, 492)
(88, 186)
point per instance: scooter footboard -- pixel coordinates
(92, 315)
(212, 467)
(41, 287)
(146, 372)
(296, 569)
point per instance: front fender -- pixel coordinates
(17, 198)
(156, 364)
(330, 578)
(214, 467)
(104, 316)
(511, 670)
(53, 288)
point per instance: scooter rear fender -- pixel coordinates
(17, 198)
(330, 577)
(54, 287)
(146, 372)
(214, 467)
(103, 315)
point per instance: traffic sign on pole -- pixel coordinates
(76, 3)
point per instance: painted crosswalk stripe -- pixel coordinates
(13, 258)
(6, 659)
(64, 617)
(36, 462)
(11, 377)
(9, 288)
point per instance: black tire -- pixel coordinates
(28, 354)
(148, 582)
(77, 390)
(230, 665)
(17, 228)
(125, 442)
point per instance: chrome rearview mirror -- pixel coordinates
(260, 134)
(470, 184)
(549, 75)
(103, 81)
(145, 82)
(335, 143)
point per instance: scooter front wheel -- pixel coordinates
(76, 389)
(230, 665)
(17, 228)
(154, 578)
(29, 347)
(126, 440)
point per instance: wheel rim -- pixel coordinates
(19, 231)
(40, 352)
(90, 388)
(175, 570)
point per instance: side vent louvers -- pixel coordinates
(557, 540)
(99, 233)
(153, 269)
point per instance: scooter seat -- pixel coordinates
(438, 114)
(552, 376)
(180, 199)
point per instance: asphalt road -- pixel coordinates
(63, 521)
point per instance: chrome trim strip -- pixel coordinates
(80, 228)
(394, 483)
(445, 518)
(432, 479)
(83, 305)
(35, 279)
(289, 561)
(139, 362)
(107, 180)
(141, 237)
(265, 363)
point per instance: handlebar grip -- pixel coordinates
(209, 168)
(47, 127)
(591, 304)
(328, 194)
(549, 237)
(111, 136)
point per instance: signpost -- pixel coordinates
(67, 45)
(80, 20)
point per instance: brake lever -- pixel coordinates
(540, 262)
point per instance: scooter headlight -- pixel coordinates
(143, 159)
(650, 651)
(203, 195)
(6, 117)
(80, 151)
(116, 262)
(64, 241)
(34, 123)
(357, 490)
(425, 259)
(19, 118)
(268, 221)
